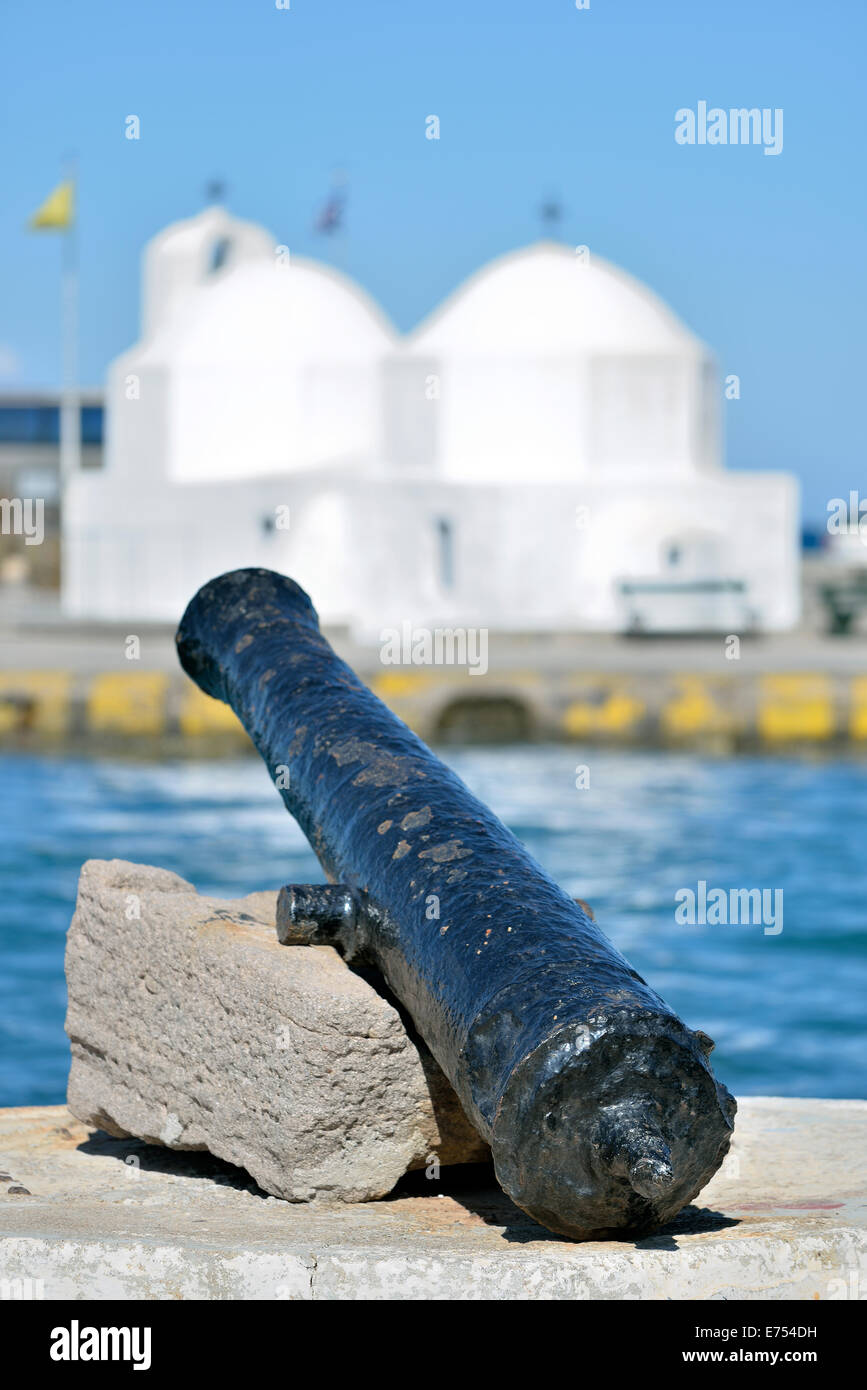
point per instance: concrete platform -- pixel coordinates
(108, 1218)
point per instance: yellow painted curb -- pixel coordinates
(396, 685)
(695, 711)
(795, 707)
(200, 714)
(128, 702)
(617, 713)
(36, 700)
(858, 718)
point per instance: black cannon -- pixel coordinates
(599, 1104)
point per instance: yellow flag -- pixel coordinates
(58, 210)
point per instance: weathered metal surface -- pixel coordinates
(602, 1112)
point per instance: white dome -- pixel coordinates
(290, 311)
(275, 367)
(546, 300)
(549, 365)
(259, 364)
(188, 254)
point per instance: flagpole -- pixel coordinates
(70, 412)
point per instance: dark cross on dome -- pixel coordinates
(551, 213)
(330, 217)
(215, 191)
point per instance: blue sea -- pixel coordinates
(786, 1008)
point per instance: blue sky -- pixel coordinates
(762, 256)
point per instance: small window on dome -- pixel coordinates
(220, 252)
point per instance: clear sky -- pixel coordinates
(763, 256)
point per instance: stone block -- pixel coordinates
(192, 1027)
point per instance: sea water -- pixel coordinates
(629, 832)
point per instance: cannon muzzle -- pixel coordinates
(599, 1104)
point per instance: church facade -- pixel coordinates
(543, 453)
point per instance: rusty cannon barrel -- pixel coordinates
(601, 1110)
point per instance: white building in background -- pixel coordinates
(542, 453)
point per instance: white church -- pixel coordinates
(542, 453)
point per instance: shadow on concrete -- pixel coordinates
(475, 1188)
(185, 1163)
(692, 1221)
(472, 1186)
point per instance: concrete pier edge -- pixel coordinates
(785, 1218)
(147, 710)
